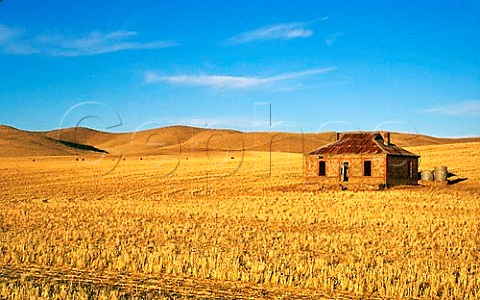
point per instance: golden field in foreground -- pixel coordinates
(233, 226)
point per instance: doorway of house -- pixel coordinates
(344, 171)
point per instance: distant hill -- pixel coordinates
(18, 143)
(175, 140)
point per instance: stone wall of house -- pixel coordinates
(356, 169)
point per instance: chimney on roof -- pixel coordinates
(386, 138)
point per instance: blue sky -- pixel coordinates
(411, 66)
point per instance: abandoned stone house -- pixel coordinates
(362, 159)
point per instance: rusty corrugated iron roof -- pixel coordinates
(361, 143)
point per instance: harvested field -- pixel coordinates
(233, 226)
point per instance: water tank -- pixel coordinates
(440, 173)
(426, 176)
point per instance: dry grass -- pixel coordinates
(174, 228)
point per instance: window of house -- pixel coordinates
(367, 168)
(344, 171)
(322, 168)
(410, 169)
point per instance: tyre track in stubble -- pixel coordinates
(164, 285)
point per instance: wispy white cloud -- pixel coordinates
(16, 41)
(216, 81)
(6, 33)
(100, 43)
(230, 82)
(330, 40)
(284, 31)
(466, 108)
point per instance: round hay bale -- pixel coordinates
(440, 173)
(426, 175)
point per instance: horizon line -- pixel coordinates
(236, 130)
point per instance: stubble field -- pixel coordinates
(233, 226)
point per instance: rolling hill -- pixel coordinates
(18, 143)
(175, 140)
